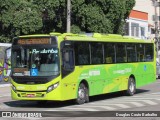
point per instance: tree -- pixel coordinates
(19, 17)
(51, 14)
(105, 16)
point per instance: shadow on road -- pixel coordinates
(114, 95)
(58, 104)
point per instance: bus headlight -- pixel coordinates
(52, 87)
(14, 88)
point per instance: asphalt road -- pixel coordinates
(113, 106)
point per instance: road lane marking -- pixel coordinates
(138, 100)
(137, 104)
(150, 102)
(6, 95)
(135, 98)
(115, 104)
(121, 105)
(151, 95)
(5, 85)
(85, 108)
(98, 106)
(156, 93)
(123, 102)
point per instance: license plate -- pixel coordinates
(30, 95)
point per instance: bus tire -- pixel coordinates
(131, 87)
(83, 94)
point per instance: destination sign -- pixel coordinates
(20, 70)
(34, 41)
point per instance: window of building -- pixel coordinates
(135, 29)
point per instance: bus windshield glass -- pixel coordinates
(35, 61)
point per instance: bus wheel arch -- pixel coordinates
(131, 88)
(82, 92)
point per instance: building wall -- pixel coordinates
(138, 28)
(146, 6)
(149, 7)
(137, 25)
(138, 16)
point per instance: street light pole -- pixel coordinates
(155, 3)
(68, 16)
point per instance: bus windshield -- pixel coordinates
(35, 61)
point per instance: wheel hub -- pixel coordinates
(81, 93)
(131, 87)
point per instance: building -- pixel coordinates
(137, 24)
(141, 21)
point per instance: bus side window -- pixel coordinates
(68, 61)
(109, 60)
(121, 53)
(82, 53)
(131, 52)
(140, 52)
(149, 52)
(96, 53)
(109, 52)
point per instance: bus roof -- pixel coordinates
(104, 38)
(91, 37)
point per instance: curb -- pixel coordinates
(5, 85)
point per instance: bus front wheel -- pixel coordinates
(83, 94)
(131, 87)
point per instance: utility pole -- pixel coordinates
(155, 3)
(68, 16)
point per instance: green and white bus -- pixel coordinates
(69, 66)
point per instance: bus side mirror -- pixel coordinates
(8, 56)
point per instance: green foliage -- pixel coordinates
(105, 16)
(19, 17)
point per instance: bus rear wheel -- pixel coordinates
(131, 87)
(83, 94)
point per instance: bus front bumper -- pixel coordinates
(36, 95)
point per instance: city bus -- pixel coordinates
(59, 67)
(5, 69)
